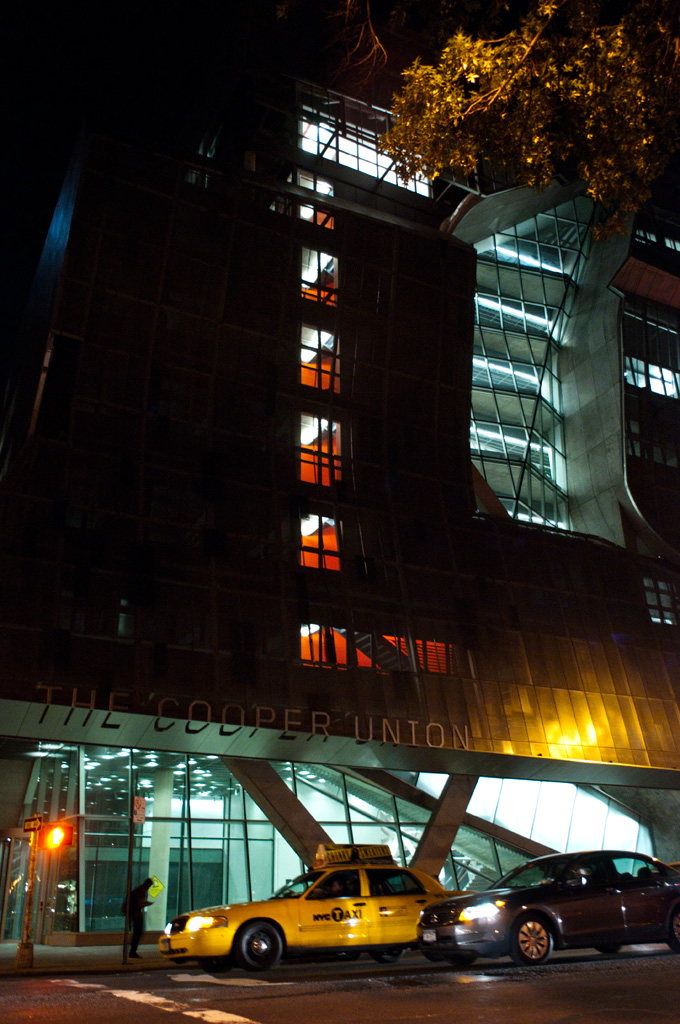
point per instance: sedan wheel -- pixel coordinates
(258, 946)
(674, 930)
(531, 941)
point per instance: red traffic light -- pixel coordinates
(53, 837)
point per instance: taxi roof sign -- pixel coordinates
(329, 854)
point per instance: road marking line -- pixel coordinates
(160, 1003)
(210, 979)
(74, 983)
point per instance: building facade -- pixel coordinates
(258, 567)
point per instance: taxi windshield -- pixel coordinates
(295, 887)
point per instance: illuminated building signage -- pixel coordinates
(197, 715)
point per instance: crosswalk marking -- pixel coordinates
(210, 979)
(160, 1003)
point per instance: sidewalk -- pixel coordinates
(79, 960)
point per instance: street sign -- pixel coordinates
(33, 824)
(156, 887)
(139, 810)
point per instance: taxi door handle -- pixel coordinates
(421, 901)
(359, 904)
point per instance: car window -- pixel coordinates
(336, 886)
(594, 870)
(535, 872)
(392, 883)
(297, 886)
(633, 868)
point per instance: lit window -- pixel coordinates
(323, 645)
(658, 379)
(126, 620)
(319, 543)
(319, 277)
(319, 363)
(662, 601)
(356, 145)
(310, 211)
(435, 657)
(319, 450)
(315, 213)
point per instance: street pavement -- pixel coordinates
(78, 959)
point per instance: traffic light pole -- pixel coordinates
(25, 947)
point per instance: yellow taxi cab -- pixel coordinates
(355, 899)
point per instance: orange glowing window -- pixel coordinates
(319, 450)
(323, 645)
(319, 277)
(319, 362)
(434, 656)
(319, 543)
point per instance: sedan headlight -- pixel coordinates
(195, 924)
(481, 910)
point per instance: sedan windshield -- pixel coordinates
(536, 872)
(296, 886)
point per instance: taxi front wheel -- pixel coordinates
(258, 946)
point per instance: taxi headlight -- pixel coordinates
(481, 910)
(195, 924)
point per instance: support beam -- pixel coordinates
(280, 805)
(437, 839)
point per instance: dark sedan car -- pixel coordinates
(603, 899)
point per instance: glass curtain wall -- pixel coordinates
(526, 277)
(203, 838)
(559, 815)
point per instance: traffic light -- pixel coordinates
(53, 837)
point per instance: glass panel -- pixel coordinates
(106, 858)
(474, 858)
(16, 892)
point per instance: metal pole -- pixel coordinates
(25, 947)
(128, 884)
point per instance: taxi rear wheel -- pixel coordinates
(385, 956)
(258, 946)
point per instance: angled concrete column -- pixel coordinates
(286, 813)
(445, 820)
(159, 853)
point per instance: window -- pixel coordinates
(345, 131)
(313, 212)
(323, 645)
(319, 362)
(662, 600)
(319, 543)
(319, 277)
(319, 450)
(393, 883)
(658, 379)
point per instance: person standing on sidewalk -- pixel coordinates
(138, 902)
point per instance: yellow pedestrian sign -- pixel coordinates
(156, 887)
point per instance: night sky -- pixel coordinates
(144, 71)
